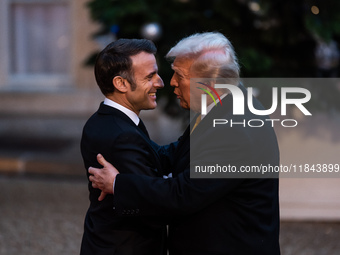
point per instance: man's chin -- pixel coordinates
(151, 107)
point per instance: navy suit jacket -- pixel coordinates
(213, 216)
(114, 135)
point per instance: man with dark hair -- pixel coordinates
(230, 216)
(126, 73)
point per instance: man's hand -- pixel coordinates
(103, 178)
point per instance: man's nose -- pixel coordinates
(159, 83)
(173, 82)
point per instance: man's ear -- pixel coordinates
(120, 84)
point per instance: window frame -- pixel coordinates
(25, 82)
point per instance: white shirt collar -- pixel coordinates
(133, 116)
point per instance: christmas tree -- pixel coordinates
(272, 38)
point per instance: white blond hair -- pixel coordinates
(213, 54)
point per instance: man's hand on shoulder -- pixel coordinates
(103, 178)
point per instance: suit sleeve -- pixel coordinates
(167, 154)
(129, 152)
(182, 194)
(168, 197)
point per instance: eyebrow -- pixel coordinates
(176, 69)
(179, 72)
(151, 74)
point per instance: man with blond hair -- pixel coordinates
(230, 216)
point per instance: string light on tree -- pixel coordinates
(254, 6)
(315, 10)
(151, 31)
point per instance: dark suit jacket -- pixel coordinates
(214, 216)
(113, 134)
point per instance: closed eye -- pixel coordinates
(149, 77)
(180, 76)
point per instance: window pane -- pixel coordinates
(40, 39)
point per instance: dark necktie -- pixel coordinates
(143, 128)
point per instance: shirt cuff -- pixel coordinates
(113, 186)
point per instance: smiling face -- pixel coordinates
(147, 82)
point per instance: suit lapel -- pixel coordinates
(125, 120)
(142, 127)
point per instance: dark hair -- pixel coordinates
(115, 60)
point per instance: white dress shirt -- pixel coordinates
(132, 115)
